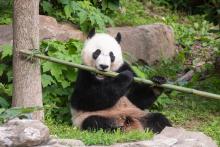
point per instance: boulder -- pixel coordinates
(49, 29)
(174, 137)
(23, 133)
(63, 143)
(149, 43)
(185, 138)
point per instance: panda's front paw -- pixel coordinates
(125, 77)
(159, 80)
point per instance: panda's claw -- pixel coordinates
(159, 80)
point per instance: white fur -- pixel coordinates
(106, 44)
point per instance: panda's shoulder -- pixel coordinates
(125, 66)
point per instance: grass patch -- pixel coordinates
(95, 138)
(132, 13)
(194, 113)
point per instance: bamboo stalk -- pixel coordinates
(113, 74)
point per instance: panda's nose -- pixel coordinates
(103, 66)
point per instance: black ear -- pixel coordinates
(91, 33)
(118, 37)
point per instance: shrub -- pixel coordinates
(82, 13)
(57, 80)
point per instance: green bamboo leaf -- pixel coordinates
(138, 72)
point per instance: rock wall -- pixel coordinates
(28, 133)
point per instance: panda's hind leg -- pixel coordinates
(155, 122)
(96, 122)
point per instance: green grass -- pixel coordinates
(94, 138)
(194, 113)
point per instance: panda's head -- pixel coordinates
(102, 51)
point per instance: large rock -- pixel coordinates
(49, 29)
(149, 43)
(184, 138)
(63, 143)
(23, 133)
(174, 137)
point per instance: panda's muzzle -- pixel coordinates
(103, 67)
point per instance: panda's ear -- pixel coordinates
(118, 37)
(91, 33)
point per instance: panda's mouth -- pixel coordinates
(99, 76)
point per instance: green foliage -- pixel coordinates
(57, 80)
(6, 17)
(95, 138)
(5, 11)
(82, 13)
(7, 114)
(131, 13)
(107, 6)
(211, 8)
(212, 128)
(5, 76)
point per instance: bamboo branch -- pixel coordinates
(113, 74)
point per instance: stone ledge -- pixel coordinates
(27, 133)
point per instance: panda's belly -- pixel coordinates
(122, 108)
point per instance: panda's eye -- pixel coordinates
(112, 56)
(96, 54)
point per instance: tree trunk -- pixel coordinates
(27, 91)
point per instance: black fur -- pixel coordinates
(91, 33)
(118, 38)
(158, 80)
(91, 94)
(96, 54)
(112, 56)
(141, 95)
(96, 122)
(156, 122)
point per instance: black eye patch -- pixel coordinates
(96, 54)
(112, 56)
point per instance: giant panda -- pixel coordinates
(109, 103)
